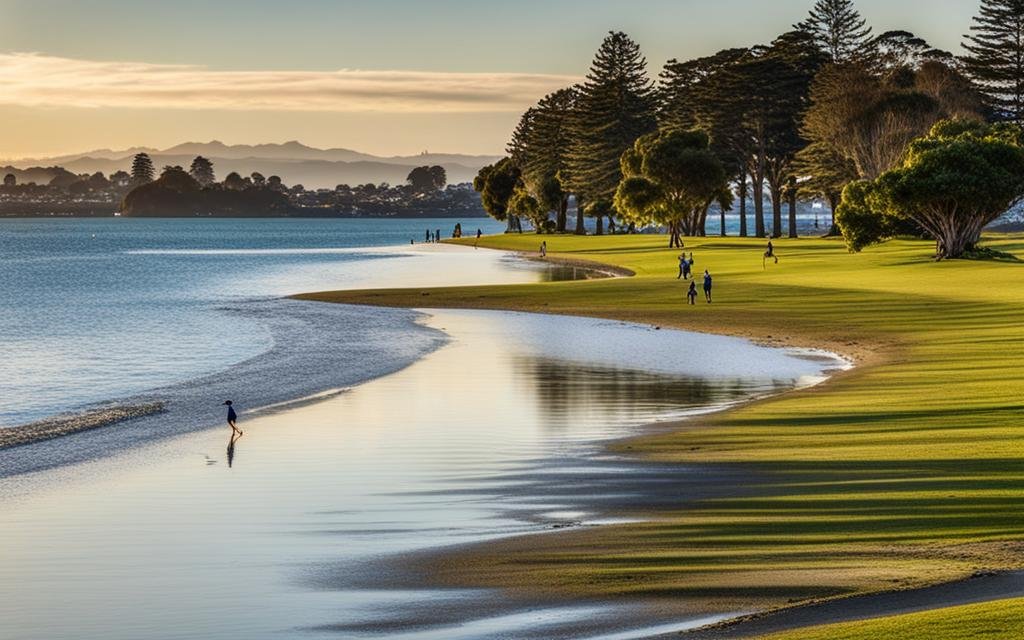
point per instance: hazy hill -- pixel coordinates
(295, 162)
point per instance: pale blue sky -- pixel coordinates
(536, 37)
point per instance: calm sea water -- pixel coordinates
(96, 310)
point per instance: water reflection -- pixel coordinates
(231, 447)
(500, 432)
(567, 390)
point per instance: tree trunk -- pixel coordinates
(792, 206)
(776, 192)
(581, 230)
(758, 177)
(743, 204)
(563, 210)
(833, 203)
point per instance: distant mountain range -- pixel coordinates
(294, 162)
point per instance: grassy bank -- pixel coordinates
(905, 471)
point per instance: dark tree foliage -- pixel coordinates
(797, 62)
(671, 179)
(202, 171)
(894, 50)
(143, 170)
(615, 106)
(426, 179)
(234, 181)
(10, 180)
(954, 181)
(518, 145)
(839, 30)
(995, 57)
(497, 184)
(541, 151)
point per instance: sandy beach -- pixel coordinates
(318, 517)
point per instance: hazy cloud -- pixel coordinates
(30, 79)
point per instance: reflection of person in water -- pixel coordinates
(231, 448)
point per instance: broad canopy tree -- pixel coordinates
(954, 181)
(497, 183)
(427, 179)
(672, 179)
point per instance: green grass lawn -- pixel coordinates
(905, 471)
(989, 621)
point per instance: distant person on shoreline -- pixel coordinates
(707, 286)
(427, 237)
(544, 249)
(232, 417)
(477, 241)
(437, 236)
(692, 293)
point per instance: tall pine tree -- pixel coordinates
(143, 171)
(615, 106)
(838, 30)
(995, 57)
(545, 152)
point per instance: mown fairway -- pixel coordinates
(905, 471)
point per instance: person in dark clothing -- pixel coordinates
(707, 286)
(232, 416)
(769, 253)
(437, 236)
(427, 237)
(692, 293)
(682, 266)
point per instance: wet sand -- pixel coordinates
(67, 425)
(314, 522)
(981, 588)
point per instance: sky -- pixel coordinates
(390, 77)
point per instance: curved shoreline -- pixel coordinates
(869, 355)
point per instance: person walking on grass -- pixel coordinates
(769, 253)
(707, 286)
(544, 249)
(692, 293)
(232, 416)
(683, 266)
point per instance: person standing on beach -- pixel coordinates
(232, 416)
(427, 237)
(707, 286)
(437, 236)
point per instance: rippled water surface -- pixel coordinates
(430, 429)
(295, 532)
(99, 309)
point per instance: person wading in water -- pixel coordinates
(232, 416)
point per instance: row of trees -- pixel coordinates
(822, 106)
